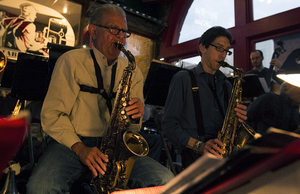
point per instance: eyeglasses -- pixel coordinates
(221, 49)
(116, 31)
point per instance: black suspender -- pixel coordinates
(100, 90)
(197, 104)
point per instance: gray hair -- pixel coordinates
(97, 15)
(283, 87)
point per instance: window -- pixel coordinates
(265, 8)
(204, 14)
(268, 47)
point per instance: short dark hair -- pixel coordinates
(211, 34)
(261, 53)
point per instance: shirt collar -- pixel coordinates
(199, 70)
(100, 57)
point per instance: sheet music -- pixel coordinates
(264, 84)
(193, 174)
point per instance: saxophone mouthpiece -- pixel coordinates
(224, 64)
(119, 45)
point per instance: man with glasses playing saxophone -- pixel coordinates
(179, 122)
(75, 119)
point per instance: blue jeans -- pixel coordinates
(155, 144)
(59, 167)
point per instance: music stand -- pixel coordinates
(55, 51)
(157, 82)
(252, 85)
(29, 81)
(32, 77)
(156, 89)
(29, 84)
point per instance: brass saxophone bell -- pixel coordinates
(3, 61)
(136, 143)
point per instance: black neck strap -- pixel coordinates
(213, 90)
(197, 104)
(100, 90)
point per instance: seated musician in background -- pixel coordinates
(179, 122)
(76, 119)
(272, 110)
(257, 58)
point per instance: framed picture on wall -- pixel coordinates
(27, 26)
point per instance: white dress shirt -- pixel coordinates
(68, 112)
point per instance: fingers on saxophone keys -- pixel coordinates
(93, 169)
(98, 164)
(103, 160)
(98, 167)
(217, 151)
(214, 147)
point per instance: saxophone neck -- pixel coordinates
(128, 54)
(239, 71)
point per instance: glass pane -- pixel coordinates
(267, 48)
(265, 8)
(229, 59)
(188, 63)
(204, 14)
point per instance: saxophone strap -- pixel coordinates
(197, 104)
(100, 90)
(213, 90)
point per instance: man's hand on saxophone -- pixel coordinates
(214, 146)
(241, 112)
(92, 157)
(136, 108)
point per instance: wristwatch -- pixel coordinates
(197, 146)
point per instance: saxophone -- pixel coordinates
(234, 135)
(120, 146)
